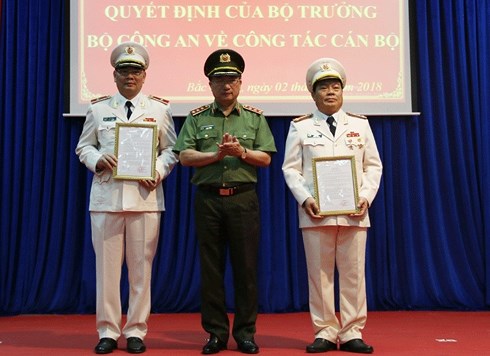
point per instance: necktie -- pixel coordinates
(331, 124)
(129, 112)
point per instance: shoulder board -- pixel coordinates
(252, 109)
(161, 100)
(200, 110)
(101, 98)
(357, 115)
(301, 118)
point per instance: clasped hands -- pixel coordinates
(229, 146)
(109, 161)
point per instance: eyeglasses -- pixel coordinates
(225, 80)
(128, 72)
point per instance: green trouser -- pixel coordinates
(228, 222)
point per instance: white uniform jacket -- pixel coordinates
(98, 137)
(311, 137)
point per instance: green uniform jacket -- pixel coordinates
(203, 130)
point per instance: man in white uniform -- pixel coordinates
(334, 240)
(125, 214)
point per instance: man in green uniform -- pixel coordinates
(225, 141)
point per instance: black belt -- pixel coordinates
(228, 191)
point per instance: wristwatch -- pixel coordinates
(244, 153)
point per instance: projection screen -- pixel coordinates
(277, 40)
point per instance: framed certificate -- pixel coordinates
(136, 150)
(335, 180)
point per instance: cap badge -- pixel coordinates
(129, 50)
(325, 67)
(225, 58)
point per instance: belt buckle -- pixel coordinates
(225, 191)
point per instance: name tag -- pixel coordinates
(207, 127)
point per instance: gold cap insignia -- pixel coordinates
(129, 50)
(225, 58)
(325, 67)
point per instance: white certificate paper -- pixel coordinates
(135, 149)
(335, 180)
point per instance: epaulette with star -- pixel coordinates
(101, 98)
(301, 118)
(252, 109)
(357, 115)
(160, 100)
(200, 110)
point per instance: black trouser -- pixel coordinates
(228, 222)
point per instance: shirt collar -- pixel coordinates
(122, 100)
(325, 116)
(215, 108)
